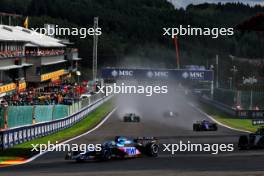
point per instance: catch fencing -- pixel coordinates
(242, 98)
(17, 116)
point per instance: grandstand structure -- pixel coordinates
(31, 59)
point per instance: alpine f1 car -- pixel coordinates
(204, 125)
(131, 117)
(253, 140)
(121, 147)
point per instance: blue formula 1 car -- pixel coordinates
(121, 147)
(204, 125)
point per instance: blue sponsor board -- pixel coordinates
(177, 74)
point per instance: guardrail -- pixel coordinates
(218, 105)
(243, 114)
(11, 137)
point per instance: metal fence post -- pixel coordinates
(33, 115)
(1, 140)
(5, 117)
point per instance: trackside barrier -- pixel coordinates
(11, 137)
(218, 105)
(242, 114)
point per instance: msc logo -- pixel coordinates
(151, 74)
(116, 73)
(193, 75)
(161, 74)
(131, 150)
(196, 75)
(185, 75)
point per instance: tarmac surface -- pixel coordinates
(169, 130)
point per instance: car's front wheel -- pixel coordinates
(261, 143)
(243, 142)
(215, 128)
(195, 127)
(152, 149)
(80, 159)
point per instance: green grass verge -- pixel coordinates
(234, 122)
(24, 150)
(7, 158)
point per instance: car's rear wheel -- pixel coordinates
(195, 127)
(152, 149)
(106, 155)
(243, 142)
(215, 127)
(261, 143)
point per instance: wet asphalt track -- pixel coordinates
(168, 130)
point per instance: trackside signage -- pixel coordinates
(177, 74)
(256, 122)
(250, 114)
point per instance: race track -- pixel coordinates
(168, 130)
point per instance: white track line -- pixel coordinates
(88, 132)
(213, 119)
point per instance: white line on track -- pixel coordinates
(213, 119)
(64, 142)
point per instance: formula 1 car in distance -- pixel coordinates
(131, 117)
(204, 125)
(121, 147)
(170, 114)
(253, 140)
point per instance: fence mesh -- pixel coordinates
(2, 120)
(19, 116)
(59, 112)
(23, 115)
(43, 113)
(239, 97)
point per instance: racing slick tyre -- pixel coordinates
(215, 127)
(261, 143)
(106, 155)
(195, 127)
(137, 119)
(127, 119)
(243, 143)
(152, 149)
(80, 160)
